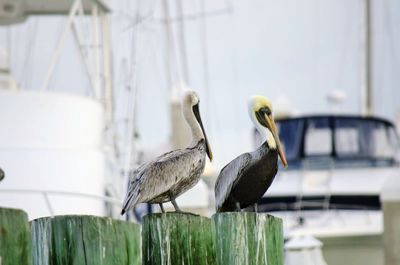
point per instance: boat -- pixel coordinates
(69, 139)
(331, 190)
(56, 136)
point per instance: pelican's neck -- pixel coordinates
(266, 135)
(197, 133)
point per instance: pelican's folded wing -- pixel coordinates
(227, 178)
(164, 172)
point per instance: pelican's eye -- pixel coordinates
(195, 100)
(260, 115)
(266, 111)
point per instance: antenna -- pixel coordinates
(366, 63)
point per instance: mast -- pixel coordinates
(367, 61)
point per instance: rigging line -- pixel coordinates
(234, 49)
(195, 16)
(392, 43)
(345, 51)
(314, 51)
(211, 103)
(8, 49)
(168, 48)
(122, 70)
(29, 47)
(12, 32)
(155, 51)
(368, 56)
(141, 20)
(121, 79)
(206, 74)
(132, 101)
(317, 50)
(85, 28)
(54, 76)
(171, 47)
(182, 40)
(86, 65)
(32, 52)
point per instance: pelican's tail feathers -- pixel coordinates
(132, 197)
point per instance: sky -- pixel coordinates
(293, 52)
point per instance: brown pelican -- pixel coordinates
(245, 179)
(173, 173)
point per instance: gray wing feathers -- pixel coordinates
(158, 176)
(164, 173)
(228, 176)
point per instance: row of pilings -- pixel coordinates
(162, 239)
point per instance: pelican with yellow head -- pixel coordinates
(243, 181)
(1, 174)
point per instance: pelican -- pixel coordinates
(173, 173)
(245, 179)
(1, 174)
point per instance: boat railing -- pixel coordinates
(47, 193)
(312, 205)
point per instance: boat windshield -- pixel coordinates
(353, 140)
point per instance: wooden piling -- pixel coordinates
(390, 199)
(75, 240)
(15, 237)
(178, 238)
(248, 238)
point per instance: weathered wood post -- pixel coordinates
(15, 237)
(248, 238)
(390, 199)
(75, 240)
(178, 238)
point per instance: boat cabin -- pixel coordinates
(335, 161)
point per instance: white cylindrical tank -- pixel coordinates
(51, 142)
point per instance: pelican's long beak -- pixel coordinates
(198, 118)
(271, 124)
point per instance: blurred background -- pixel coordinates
(90, 89)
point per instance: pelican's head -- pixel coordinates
(191, 98)
(190, 105)
(260, 110)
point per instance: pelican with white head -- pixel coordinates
(173, 173)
